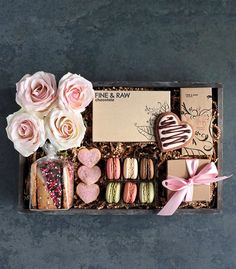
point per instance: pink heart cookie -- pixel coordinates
(89, 157)
(87, 193)
(89, 175)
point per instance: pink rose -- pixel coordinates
(65, 129)
(26, 131)
(74, 92)
(37, 92)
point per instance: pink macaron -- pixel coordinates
(113, 168)
(130, 192)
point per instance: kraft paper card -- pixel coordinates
(127, 116)
(196, 109)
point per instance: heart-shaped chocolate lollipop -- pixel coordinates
(171, 132)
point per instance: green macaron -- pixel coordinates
(146, 192)
(113, 192)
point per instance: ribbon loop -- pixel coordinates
(192, 166)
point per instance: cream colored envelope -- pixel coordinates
(127, 116)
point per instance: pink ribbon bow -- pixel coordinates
(184, 188)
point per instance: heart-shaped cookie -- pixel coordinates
(89, 157)
(89, 175)
(87, 193)
(171, 132)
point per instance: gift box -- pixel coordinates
(178, 168)
(206, 198)
(133, 111)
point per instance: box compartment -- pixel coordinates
(217, 92)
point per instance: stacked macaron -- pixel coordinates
(134, 174)
(89, 173)
(146, 189)
(131, 168)
(130, 192)
(113, 192)
(113, 171)
(113, 168)
(146, 192)
(146, 169)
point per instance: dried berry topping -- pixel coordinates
(52, 172)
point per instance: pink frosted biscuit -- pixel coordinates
(113, 168)
(87, 193)
(89, 175)
(89, 157)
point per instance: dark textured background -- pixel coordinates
(117, 40)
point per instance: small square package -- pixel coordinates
(178, 168)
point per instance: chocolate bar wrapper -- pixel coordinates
(178, 168)
(196, 109)
(127, 116)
